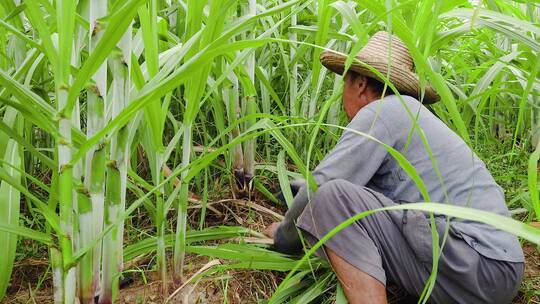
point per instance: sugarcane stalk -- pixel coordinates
(160, 225)
(180, 244)
(251, 108)
(57, 274)
(149, 25)
(66, 11)
(535, 120)
(95, 158)
(194, 91)
(249, 147)
(65, 196)
(231, 98)
(110, 267)
(333, 112)
(116, 182)
(65, 176)
(81, 199)
(293, 85)
(86, 290)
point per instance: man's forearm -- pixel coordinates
(286, 239)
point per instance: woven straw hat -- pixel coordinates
(375, 54)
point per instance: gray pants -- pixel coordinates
(396, 246)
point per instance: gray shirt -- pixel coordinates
(463, 180)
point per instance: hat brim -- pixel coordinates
(406, 82)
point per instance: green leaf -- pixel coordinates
(20, 35)
(52, 219)
(283, 179)
(9, 215)
(24, 95)
(533, 179)
(153, 114)
(27, 233)
(340, 295)
(116, 27)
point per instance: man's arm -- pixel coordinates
(355, 158)
(286, 238)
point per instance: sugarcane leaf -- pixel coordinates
(30, 114)
(9, 215)
(11, 7)
(21, 141)
(297, 283)
(262, 75)
(148, 245)
(65, 26)
(289, 148)
(155, 90)
(524, 99)
(27, 175)
(117, 24)
(314, 291)
(52, 218)
(349, 13)
(533, 179)
(153, 113)
(494, 16)
(340, 295)
(20, 35)
(25, 95)
(486, 80)
(283, 179)
(448, 5)
(26, 233)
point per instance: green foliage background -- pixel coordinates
(97, 96)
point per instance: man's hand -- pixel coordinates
(270, 231)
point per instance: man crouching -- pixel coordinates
(479, 264)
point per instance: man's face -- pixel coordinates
(352, 95)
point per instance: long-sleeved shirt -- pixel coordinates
(464, 179)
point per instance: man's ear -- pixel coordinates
(361, 83)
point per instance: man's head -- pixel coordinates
(359, 91)
(399, 68)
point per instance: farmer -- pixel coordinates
(479, 263)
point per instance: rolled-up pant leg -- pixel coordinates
(375, 244)
(396, 246)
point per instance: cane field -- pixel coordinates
(146, 144)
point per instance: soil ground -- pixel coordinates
(31, 281)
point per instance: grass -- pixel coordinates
(248, 285)
(99, 98)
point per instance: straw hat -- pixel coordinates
(375, 54)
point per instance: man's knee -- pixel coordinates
(338, 194)
(333, 188)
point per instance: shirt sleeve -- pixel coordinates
(286, 239)
(355, 158)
